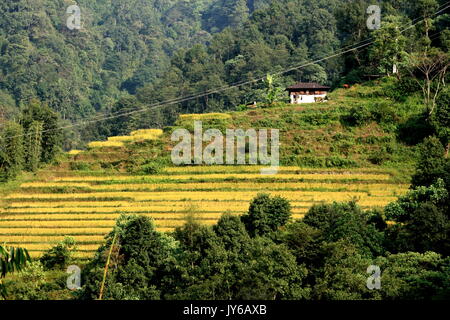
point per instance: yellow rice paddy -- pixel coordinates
(202, 196)
(375, 189)
(74, 152)
(54, 231)
(205, 116)
(236, 176)
(119, 141)
(257, 169)
(38, 216)
(101, 144)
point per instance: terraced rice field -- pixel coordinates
(40, 213)
(139, 135)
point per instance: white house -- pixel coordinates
(307, 93)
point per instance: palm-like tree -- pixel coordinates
(11, 260)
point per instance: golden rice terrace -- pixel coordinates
(70, 200)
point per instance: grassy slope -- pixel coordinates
(335, 162)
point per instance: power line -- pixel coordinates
(235, 85)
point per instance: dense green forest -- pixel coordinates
(131, 54)
(122, 46)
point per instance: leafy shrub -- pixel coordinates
(358, 116)
(414, 276)
(415, 129)
(432, 165)
(402, 210)
(266, 214)
(151, 168)
(310, 161)
(141, 258)
(338, 162)
(402, 88)
(80, 166)
(59, 256)
(426, 229)
(378, 157)
(386, 115)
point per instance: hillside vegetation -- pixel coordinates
(324, 157)
(131, 54)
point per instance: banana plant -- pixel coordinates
(11, 260)
(273, 92)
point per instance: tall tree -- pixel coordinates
(33, 145)
(432, 164)
(389, 45)
(429, 69)
(425, 9)
(51, 132)
(266, 214)
(11, 150)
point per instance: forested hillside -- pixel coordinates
(169, 49)
(283, 35)
(122, 45)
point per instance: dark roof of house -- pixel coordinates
(308, 85)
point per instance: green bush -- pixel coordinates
(266, 214)
(378, 157)
(59, 256)
(401, 89)
(338, 162)
(402, 210)
(310, 162)
(432, 164)
(415, 129)
(385, 114)
(339, 221)
(80, 166)
(358, 116)
(151, 168)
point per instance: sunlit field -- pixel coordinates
(41, 213)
